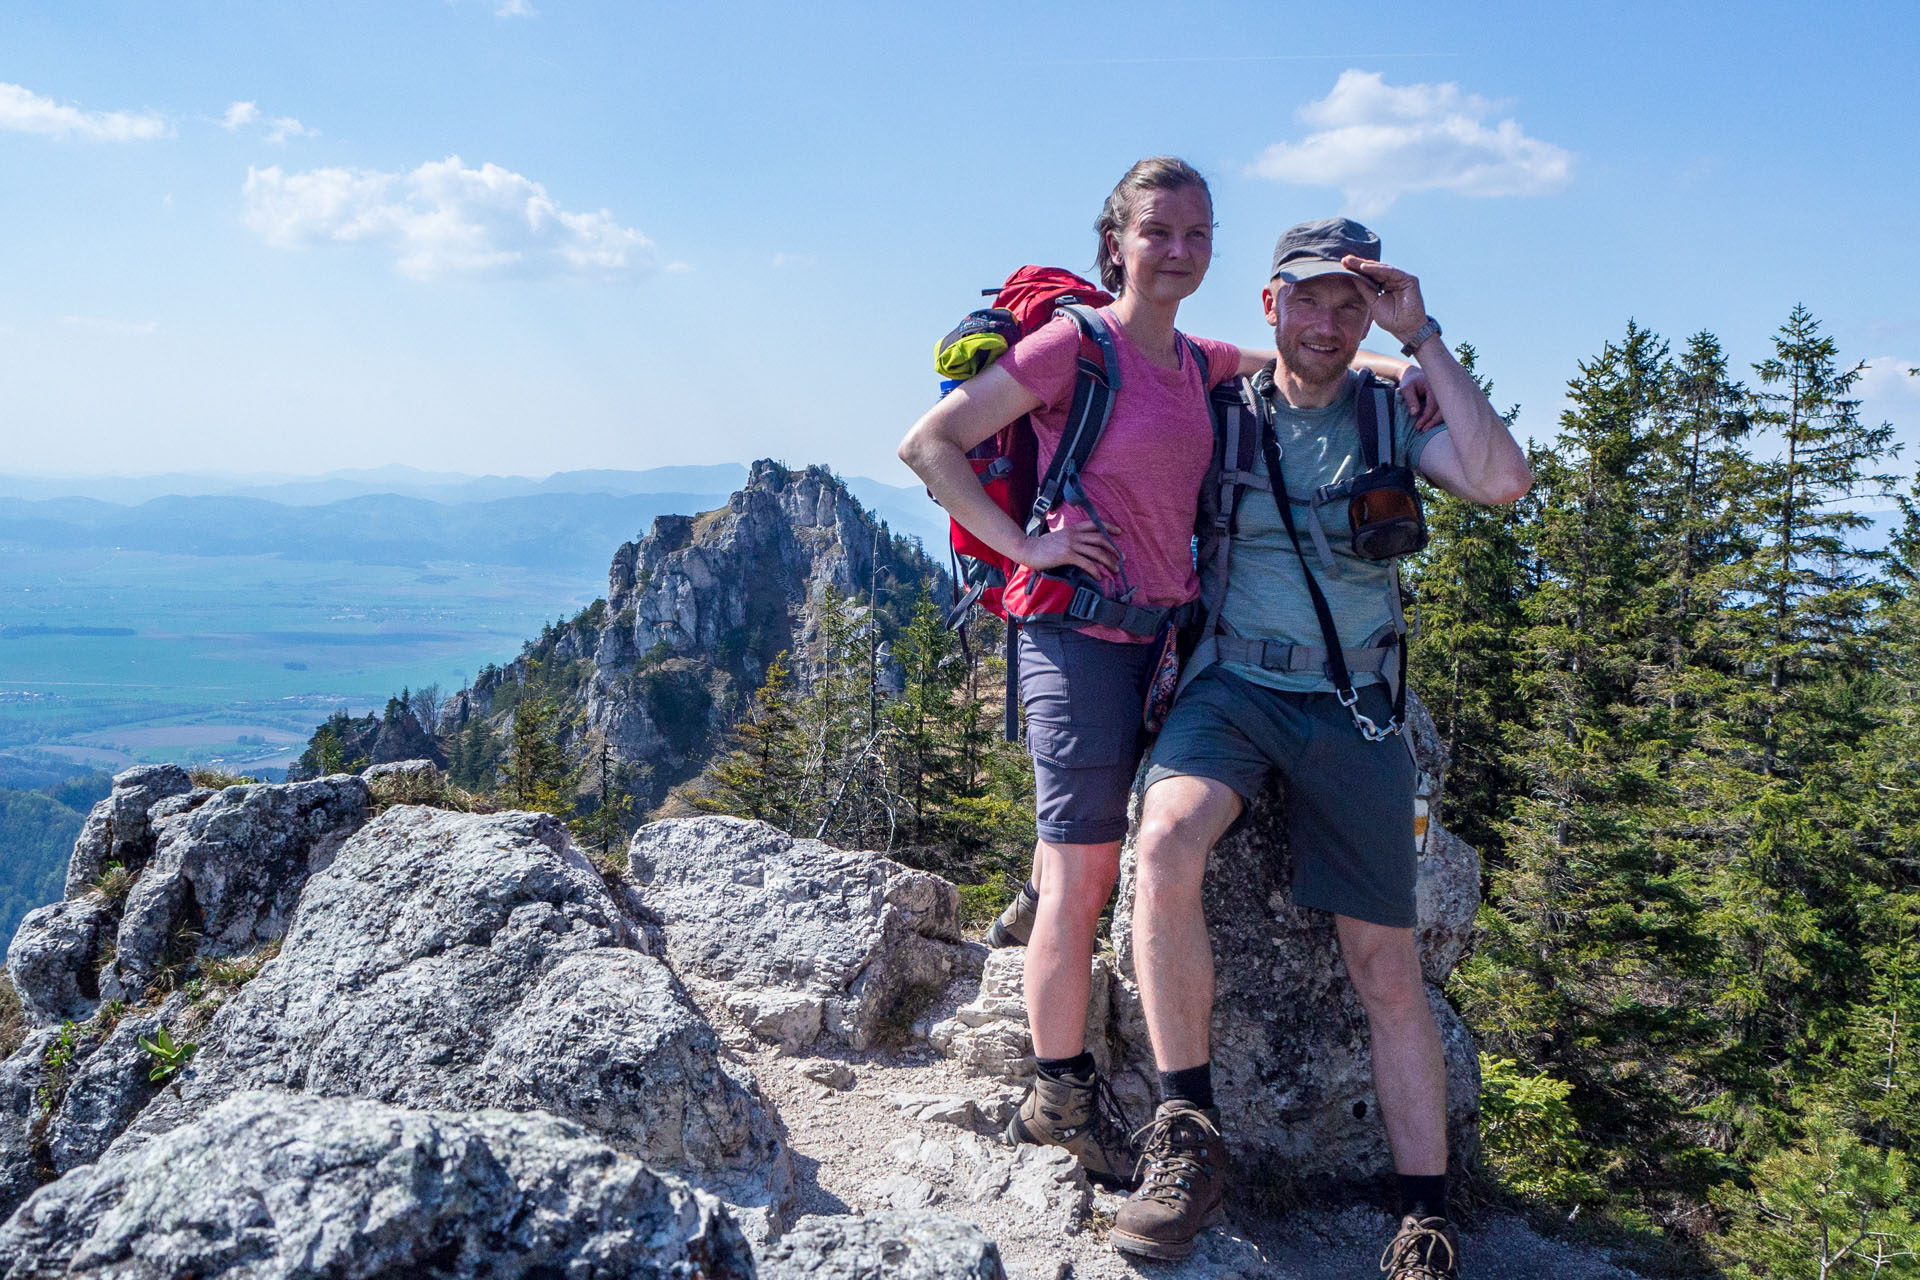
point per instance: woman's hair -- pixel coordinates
(1155, 173)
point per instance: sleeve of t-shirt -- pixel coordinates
(1410, 443)
(1223, 360)
(1046, 360)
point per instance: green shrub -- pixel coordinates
(1528, 1132)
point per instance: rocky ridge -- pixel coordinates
(443, 1043)
(694, 613)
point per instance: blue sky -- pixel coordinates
(520, 236)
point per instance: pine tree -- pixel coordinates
(606, 826)
(925, 721)
(1808, 581)
(759, 775)
(1463, 660)
(537, 774)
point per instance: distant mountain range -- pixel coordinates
(392, 515)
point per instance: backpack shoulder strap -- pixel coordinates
(1094, 386)
(1238, 415)
(1199, 359)
(1374, 407)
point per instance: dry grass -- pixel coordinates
(431, 789)
(13, 1018)
(219, 780)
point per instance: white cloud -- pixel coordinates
(285, 127)
(24, 111)
(794, 259)
(1377, 141)
(442, 219)
(514, 9)
(238, 114)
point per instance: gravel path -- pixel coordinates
(909, 1130)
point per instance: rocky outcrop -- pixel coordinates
(225, 875)
(694, 614)
(52, 958)
(801, 939)
(117, 830)
(901, 1246)
(276, 1185)
(461, 961)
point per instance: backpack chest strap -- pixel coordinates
(1278, 655)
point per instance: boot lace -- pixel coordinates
(1174, 1160)
(1414, 1253)
(1109, 1123)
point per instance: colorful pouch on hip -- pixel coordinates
(1164, 681)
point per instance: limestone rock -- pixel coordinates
(447, 960)
(779, 923)
(22, 1138)
(271, 1185)
(223, 878)
(1291, 1059)
(1046, 1184)
(117, 829)
(398, 768)
(883, 1246)
(988, 1035)
(108, 1086)
(51, 959)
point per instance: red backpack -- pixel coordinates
(1007, 464)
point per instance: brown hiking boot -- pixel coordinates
(1185, 1182)
(1080, 1114)
(1015, 925)
(1425, 1249)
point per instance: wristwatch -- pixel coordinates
(1431, 329)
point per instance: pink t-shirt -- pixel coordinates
(1144, 475)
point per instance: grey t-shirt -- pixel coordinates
(1266, 593)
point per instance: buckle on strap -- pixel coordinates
(1085, 604)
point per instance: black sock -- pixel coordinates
(1079, 1065)
(1032, 894)
(1189, 1084)
(1424, 1197)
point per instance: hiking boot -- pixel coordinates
(1015, 924)
(1425, 1249)
(1185, 1182)
(1080, 1114)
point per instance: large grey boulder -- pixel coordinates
(52, 958)
(224, 876)
(454, 961)
(23, 1160)
(883, 1246)
(1292, 1063)
(117, 829)
(801, 939)
(275, 1186)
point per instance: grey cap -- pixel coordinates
(1310, 249)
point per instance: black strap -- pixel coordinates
(1329, 634)
(1093, 392)
(1013, 681)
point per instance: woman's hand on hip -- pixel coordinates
(1081, 545)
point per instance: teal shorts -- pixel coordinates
(1349, 802)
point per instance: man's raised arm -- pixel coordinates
(1477, 459)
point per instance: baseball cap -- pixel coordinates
(1310, 249)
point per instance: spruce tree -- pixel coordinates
(759, 775)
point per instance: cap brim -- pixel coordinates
(1308, 268)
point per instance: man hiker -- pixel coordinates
(1275, 687)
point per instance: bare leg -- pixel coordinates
(1079, 879)
(1409, 1069)
(1180, 820)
